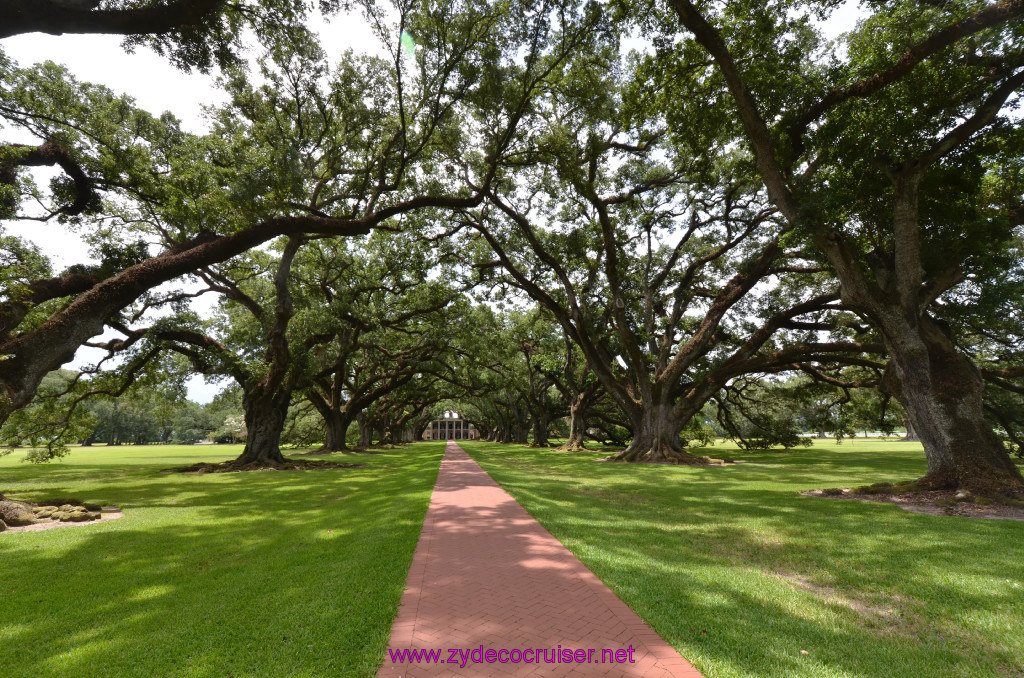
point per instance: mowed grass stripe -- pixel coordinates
(740, 573)
(245, 574)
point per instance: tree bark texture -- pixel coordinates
(365, 431)
(264, 420)
(540, 430)
(577, 424)
(656, 437)
(81, 16)
(335, 424)
(941, 390)
(336, 430)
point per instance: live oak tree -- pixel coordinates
(757, 414)
(581, 390)
(403, 414)
(495, 406)
(536, 339)
(518, 365)
(391, 317)
(986, 317)
(492, 378)
(987, 322)
(267, 336)
(279, 341)
(89, 134)
(392, 140)
(256, 346)
(877, 149)
(192, 33)
(179, 191)
(656, 251)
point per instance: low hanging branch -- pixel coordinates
(49, 154)
(85, 16)
(13, 312)
(30, 355)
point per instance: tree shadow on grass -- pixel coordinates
(740, 573)
(259, 574)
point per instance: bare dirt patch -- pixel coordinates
(932, 502)
(107, 514)
(21, 516)
(886, 614)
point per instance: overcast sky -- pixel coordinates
(158, 86)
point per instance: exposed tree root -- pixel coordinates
(235, 467)
(572, 446)
(661, 454)
(347, 450)
(911, 496)
(322, 450)
(994, 486)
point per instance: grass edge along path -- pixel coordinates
(285, 573)
(746, 578)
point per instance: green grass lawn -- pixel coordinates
(245, 574)
(300, 573)
(740, 573)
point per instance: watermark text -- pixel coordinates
(531, 655)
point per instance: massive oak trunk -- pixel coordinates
(336, 430)
(264, 420)
(365, 431)
(656, 437)
(577, 423)
(390, 433)
(540, 430)
(941, 390)
(521, 426)
(335, 425)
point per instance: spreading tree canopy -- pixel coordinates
(878, 149)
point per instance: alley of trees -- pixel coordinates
(636, 224)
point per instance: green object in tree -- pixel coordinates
(408, 43)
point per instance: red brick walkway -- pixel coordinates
(487, 574)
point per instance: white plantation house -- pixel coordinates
(451, 426)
